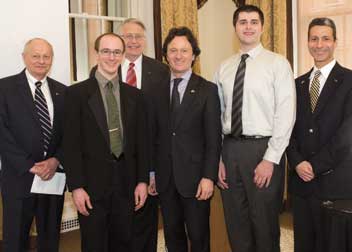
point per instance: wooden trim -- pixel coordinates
(157, 30)
(289, 36)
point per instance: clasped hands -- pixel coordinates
(45, 169)
(305, 171)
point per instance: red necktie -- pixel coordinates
(131, 78)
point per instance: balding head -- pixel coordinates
(38, 56)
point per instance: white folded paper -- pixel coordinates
(55, 185)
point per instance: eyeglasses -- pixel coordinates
(131, 36)
(107, 52)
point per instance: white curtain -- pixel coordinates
(143, 10)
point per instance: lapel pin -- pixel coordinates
(57, 94)
(335, 80)
(193, 91)
(303, 81)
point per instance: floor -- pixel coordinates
(70, 242)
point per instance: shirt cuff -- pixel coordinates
(152, 174)
(272, 156)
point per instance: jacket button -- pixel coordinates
(311, 130)
(174, 133)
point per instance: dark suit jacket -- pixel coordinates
(21, 143)
(88, 158)
(190, 149)
(324, 138)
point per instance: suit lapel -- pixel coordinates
(334, 79)
(187, 100)
(26, 93)
(126, 104)
(96, 104)
(54, 97)
(146, 73)
(304, 93)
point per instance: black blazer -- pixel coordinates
(324, 138)
(88, 159)
(21, 143)
(189, 149)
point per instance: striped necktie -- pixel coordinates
(43, 115)
(131, 78)
(314, 90)
(237, 98)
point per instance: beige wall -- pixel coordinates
(216, 36)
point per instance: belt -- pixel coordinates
(246, 137)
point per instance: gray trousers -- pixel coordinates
(251, 214)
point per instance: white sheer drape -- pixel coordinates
(143, 10)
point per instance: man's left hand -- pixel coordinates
(205, 189)
(140, 195)
(263, 173)
(46, 169)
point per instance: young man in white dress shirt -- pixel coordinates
(257, 92)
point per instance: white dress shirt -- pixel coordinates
(137, 68)
(46, 92)
(325, 71)
(269, 98)
(182, 85)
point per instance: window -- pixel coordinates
(89, 19)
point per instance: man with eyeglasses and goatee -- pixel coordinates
(105, 151)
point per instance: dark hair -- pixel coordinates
(98, 39)
(178, 32)
(247, 8)
(323, 21)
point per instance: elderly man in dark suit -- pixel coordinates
(105, 151)
(31, 113)
(143, 73)
(319, 152)
(187, 140)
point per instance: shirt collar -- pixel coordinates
(325, 70)
(186, 76)
(102, 81)
(254, 51)
(33, 80)
(137, 62)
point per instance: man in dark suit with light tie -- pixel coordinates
(319, 152)
(187, 139)
(31, 113)
(143, 73)
(105, 151)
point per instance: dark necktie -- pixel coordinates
(237, 98)
(131, 78)
(175, 96)
(113, 121)
(314, 90)
(43, 114)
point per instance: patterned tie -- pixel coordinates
(43, 114)
(175, 96)
(113, 121)
(314, 90)
(131, 78)
(237, 98)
